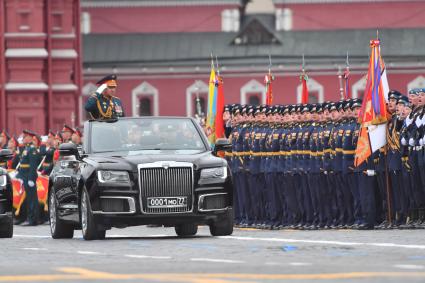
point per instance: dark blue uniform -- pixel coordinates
(101, 107)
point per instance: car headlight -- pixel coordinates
(213, 175)
(3, 180)
(113, 176)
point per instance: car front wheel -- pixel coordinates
(223, 226)
(89, 227)
(186, 230)
(58, 228)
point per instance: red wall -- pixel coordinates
(409, 14)
(172, 91)
(156, 19)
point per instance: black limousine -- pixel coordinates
(139, 171)
(6, 198)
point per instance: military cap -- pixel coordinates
(305, 108)
(14, 139)
(51, 134)
(109, 80)
(415, 91)
(357, 102)
(286, 109)
(78, 132)
(67, 128)
(226, 108)
(347, 104)
(340, 105)
(313, 108)
(5, 134)
(403, 100)
(264, 108)
(59, 137)
(29, 133)
(394, 94)
(332, 106)
(319, 108)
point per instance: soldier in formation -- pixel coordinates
(293, 166)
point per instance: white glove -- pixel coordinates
(418, 122)
(421, 142)
(411, 142)
(403, 141)
(31, 183)
(370, 173)
(101, 88)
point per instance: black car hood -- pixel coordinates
(130, 162)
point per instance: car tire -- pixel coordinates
(186, 230)
(6, 229)
(89, 227)
(223, 226)
(58, 228)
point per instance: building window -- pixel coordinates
(85, 23)
(313, 97)
(197, 89)
(145, 106)
(230, 20)
(24, 20)
(254, 99)
(57, 21)
(315, 92)
(253, 88)
(284, 19)
(200, 104)
(145, 100)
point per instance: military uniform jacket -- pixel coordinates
(326, 144)
(101, 107)
(30, 159)
(349, 144)
(393, 139)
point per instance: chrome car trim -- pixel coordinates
(201, 202)
(165, 165)
(131, 205)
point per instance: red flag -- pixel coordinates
(219, 123)
(269, 78)
(304, 96)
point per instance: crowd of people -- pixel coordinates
(33, 155)
(293, 166)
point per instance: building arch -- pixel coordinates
(139, 93)
(253, 87)
(314, 87)
(197, 88)
(418, 82)
(358, 88)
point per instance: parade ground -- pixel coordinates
(144, 254)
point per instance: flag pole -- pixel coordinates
(387, 181)
(341, 89)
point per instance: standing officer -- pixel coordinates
(67, 132)
(47, 165)
(103, 104)
(30, 159)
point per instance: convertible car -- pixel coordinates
(139, 171)
(6, 198)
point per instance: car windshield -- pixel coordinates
(147, 134)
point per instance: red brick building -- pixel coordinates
(163, 61)
(40, 64)
(160, 50)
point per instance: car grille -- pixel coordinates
(170, 182)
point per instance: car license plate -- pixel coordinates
(167, 202)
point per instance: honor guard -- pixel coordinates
(103, 104)
(27, 171)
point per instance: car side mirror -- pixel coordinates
(5, 155)
(69, 149)
(222, 145)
